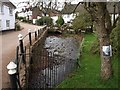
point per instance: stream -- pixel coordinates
(63, 55)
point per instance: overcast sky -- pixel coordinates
(73, 1)
(20, 6)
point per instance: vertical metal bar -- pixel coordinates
(25, 63)
(38, 33)
(53, 70)
(17, 50)
(49, 67)
(40, 69)
(16, 61)
(30, 39)
(22, 51)
(56, 70)
(35, 35)
(39, 60)
(44, 68)
(48, 70)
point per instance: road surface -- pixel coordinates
(8, 43)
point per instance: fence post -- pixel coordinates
(21, 47)
(30, 39)
(35, 34)
(12, 73)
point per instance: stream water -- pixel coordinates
(63, 55)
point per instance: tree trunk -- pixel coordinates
(106, 67)
(102, 21)
(103, 36)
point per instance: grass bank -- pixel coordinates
(88, 75)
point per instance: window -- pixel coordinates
(0, 23)
(10, 11)
(68, 16)
(7, 23)
(1, 7)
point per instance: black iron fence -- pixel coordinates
(49, 69)
(19, 69)
(37, 67)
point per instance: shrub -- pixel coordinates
(44, 20)
(21, 18)
(60, 21)
(95, 47)
(17, 26)
(114, 36)
(29, 21)
(82, 21)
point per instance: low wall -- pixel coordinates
(35, 51)
(31, 54)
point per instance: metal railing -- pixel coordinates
(17, 69)
(49, 69)
(37, 67)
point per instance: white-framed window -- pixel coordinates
(1, 7)
(0, 23)
(10, 11)
(68, 16)
(7, 23)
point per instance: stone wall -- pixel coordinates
(35, 51)
(32, 51)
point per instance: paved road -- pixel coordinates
(8, 43)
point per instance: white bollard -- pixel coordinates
(20, 36)
(12, 73)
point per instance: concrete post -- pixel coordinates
(12, 73)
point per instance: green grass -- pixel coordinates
(88, 75)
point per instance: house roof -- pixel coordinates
(7, 2)
(70, 8)
(47, 10)
(110, 7)
(80, 8)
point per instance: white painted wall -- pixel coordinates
(5, 15)
(112, 17)
(68, 17)
(54, 19)
(22, 14)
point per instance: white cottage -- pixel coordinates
(7, 15)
